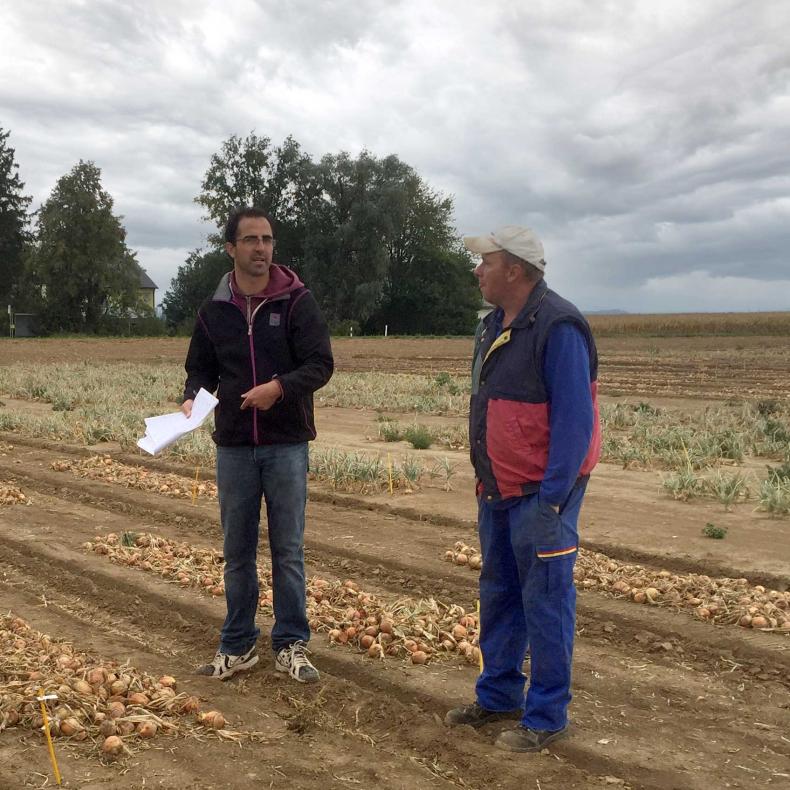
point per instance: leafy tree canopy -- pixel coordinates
(372, 240)
(195, 281)
(81, 260)
(14, 235)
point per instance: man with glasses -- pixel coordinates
(262, 343)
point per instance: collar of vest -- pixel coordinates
(526, 317)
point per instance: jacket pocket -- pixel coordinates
(547, 524)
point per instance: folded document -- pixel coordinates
(162, 431)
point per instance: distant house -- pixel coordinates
(147, 290)
(484, 310)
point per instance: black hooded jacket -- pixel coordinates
(280, 334)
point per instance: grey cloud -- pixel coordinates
(647, 144)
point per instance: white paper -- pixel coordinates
(162, 431)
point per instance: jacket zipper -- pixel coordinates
(250, 320)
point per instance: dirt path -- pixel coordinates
(642, 676)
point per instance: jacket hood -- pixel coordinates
(282, 281)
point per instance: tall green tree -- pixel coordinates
(195, 281)
(14, 235)
(375, 244)
(353, 208)
(429, 287)
(254, 172)
(381, 249)
(81, 259)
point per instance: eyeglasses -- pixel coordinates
(251, 241)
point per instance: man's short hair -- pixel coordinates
(532, 273)
(232, 225)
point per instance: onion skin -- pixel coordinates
(375, 650)
(212, 719)
(190, 705)
(82, 687)
(107, 728)
(116, 710)
(96, 677)
(112, 746)
(70, 726)
(146, 729)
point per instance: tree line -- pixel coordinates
(369, 236)
(68, 262)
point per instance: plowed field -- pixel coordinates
(661, 699)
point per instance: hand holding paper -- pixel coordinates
(162, 431)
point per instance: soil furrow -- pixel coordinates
(194, 620)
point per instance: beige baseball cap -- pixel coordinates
(516, 239)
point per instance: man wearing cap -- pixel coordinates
(535, 436)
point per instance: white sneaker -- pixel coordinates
(224, 665)
(294, 661)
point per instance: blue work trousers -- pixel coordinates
(277, 474)
(527, 598)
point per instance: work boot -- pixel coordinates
(525, 739)
(476, 716)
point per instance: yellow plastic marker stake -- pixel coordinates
(389, 470)
(479, 632)
(41, 698)
(195, 485)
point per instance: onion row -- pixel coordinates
(716, 600)
(107, 703)
(104, 468)
(418, 630)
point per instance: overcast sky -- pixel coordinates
(648, 143)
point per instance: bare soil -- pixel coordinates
(660, 700)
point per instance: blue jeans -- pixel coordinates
(278, 474)
(527, 597)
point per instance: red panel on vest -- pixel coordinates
(517, 439)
